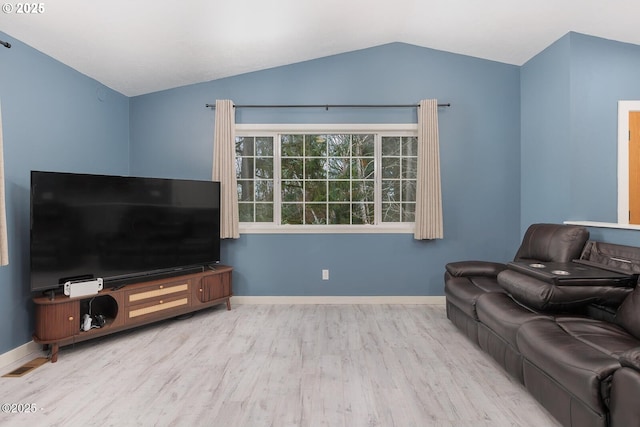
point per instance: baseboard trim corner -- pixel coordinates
(274, 300)
(18, 353)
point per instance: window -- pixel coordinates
(399, 172)
(327, 178)
(330, 178)
(254, 173)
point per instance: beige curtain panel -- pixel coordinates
(224, 168)
(428, 188)
(4, 246)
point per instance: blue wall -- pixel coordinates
(570, 95)
(546, 164)
(172, 136)
(54, 118)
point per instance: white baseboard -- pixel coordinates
(422, 300)
(18, 353)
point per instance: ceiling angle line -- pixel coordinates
(327, 106)
(5, 44)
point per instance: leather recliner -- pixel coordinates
(465, 281)
(580, 361)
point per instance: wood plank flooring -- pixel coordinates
(278, 365)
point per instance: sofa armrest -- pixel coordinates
(630, 358)
(475, 268)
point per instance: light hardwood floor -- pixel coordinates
(278, 365)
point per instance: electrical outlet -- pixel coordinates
(325, 274)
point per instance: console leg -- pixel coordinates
(228, 304)
(54, 352)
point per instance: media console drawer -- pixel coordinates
(157, 291)
(154, 307)
(157, 299)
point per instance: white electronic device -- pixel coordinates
(80, 289)
(86, 322)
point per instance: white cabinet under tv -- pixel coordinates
(59, 320)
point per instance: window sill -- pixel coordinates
(326, 229)
(605, 225)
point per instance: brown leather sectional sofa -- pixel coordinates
(563, 319)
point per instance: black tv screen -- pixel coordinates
(120, 229)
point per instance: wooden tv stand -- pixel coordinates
(58, 320)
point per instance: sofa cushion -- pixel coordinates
(552, 242)
(628, 315)
(500, 313)
(464, 291)
(606, 337)
(500, 318)
(578, 353)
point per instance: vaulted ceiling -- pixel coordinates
(143, 46)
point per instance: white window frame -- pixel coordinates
(274, 130)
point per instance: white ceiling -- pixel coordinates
(142, 46)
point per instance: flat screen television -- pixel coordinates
(121, 229)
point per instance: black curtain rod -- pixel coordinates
(5, 44)
(327, 106)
